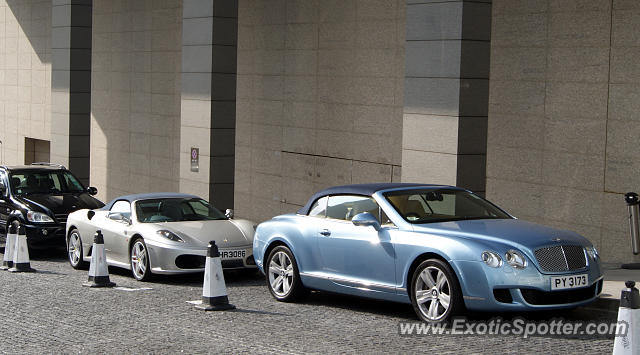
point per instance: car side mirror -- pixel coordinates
(3, 188)
(92, 190)
(228, 213)
(366, 219)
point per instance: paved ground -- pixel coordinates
(49, 311)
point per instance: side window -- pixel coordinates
(122, 207)
(319, 208)
(346, 206)
(383, 218)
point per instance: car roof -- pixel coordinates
(362, 189)
(148, 196)
(33, 167)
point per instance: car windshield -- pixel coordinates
(176, 210)
(442, 205)
(26, 182)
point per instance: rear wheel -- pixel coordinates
(74, 250)
(139, 257)
(435, 292)
(282, 275)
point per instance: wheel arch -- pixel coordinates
(418, 260)
(272, 245)
(134, 237)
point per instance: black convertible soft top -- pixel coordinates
(358, 189)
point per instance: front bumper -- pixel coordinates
(169, 259)
(44, 235)
(508, 289)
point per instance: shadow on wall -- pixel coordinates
(34, 18)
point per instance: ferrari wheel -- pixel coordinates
(282, 275)
(435, 292)
(74, 250)
(140, 260)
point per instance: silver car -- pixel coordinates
(160, 233)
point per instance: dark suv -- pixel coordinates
(40, 197)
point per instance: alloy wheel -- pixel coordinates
(139, 259)
(280, 274)
(74, 249)
(433, 293)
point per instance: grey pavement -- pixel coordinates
(50, 312)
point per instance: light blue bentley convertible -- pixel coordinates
(440, 248)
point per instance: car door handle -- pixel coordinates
(325, 232)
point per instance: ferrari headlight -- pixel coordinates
(170, 235)
(492, 259)
(593, 252)
(38, 217)
(515, 259)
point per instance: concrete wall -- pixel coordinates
(446, 88)
(319, 99)
(564, 114)
(135, 96)
(25, 75)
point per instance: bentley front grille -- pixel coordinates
(561, 258)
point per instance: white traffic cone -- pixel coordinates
(7, 259)
(629, 312)
(21, 253)
(214, 291)
(98, 270)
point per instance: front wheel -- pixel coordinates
(74, 250)
(139, 257)
(282, 275)
(435, 292)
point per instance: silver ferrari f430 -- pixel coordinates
(160, 233)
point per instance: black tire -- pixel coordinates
(75, 253)
(288, 276)
(432, 306)
(140, 270)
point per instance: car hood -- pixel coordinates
(60, 203)
(514, 232)
(226, 233)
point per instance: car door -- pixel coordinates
(356, 256)
(115, 229)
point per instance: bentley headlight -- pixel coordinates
(38, 217)
(170, 235)
(593, 252)
(492, 259)
(515, 259)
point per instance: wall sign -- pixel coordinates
(195, 159)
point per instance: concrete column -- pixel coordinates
(209, 37)
(71, 85)
(446, 91)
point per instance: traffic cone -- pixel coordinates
(21, 253)
(98, 270)
(214, 291)
(629, 312)
(7, 260)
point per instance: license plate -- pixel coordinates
(233, 254)
(567, 282)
